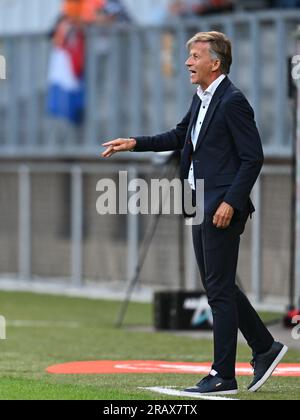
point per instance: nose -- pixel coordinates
(188, 62)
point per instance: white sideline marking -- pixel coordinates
(175, 393)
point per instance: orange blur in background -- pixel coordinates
(83, 10)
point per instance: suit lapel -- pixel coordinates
(194, 116)
(212, 109)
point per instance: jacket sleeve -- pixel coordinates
(244, 132)
(172, 140)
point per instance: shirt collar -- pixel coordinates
(211, 90)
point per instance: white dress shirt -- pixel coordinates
(206, 97)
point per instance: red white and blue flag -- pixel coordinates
(66, 76)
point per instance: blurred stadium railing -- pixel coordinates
(136, 84)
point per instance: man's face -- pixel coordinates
(200, 64)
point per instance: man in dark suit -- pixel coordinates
(220, 144)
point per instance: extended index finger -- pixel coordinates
(115, 142)
(109, 143)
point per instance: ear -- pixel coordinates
(216, 65)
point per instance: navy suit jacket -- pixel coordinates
(228, 155)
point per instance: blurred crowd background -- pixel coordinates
(83, 71)
(158, 12)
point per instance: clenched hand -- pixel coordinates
(119, 145)
(223, 216)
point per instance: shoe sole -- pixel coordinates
(222, 393)
(270, 371)
(233, 392)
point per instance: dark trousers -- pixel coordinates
(217, 256)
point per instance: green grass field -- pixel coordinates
(81, 329)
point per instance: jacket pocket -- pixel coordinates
(223, 180)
